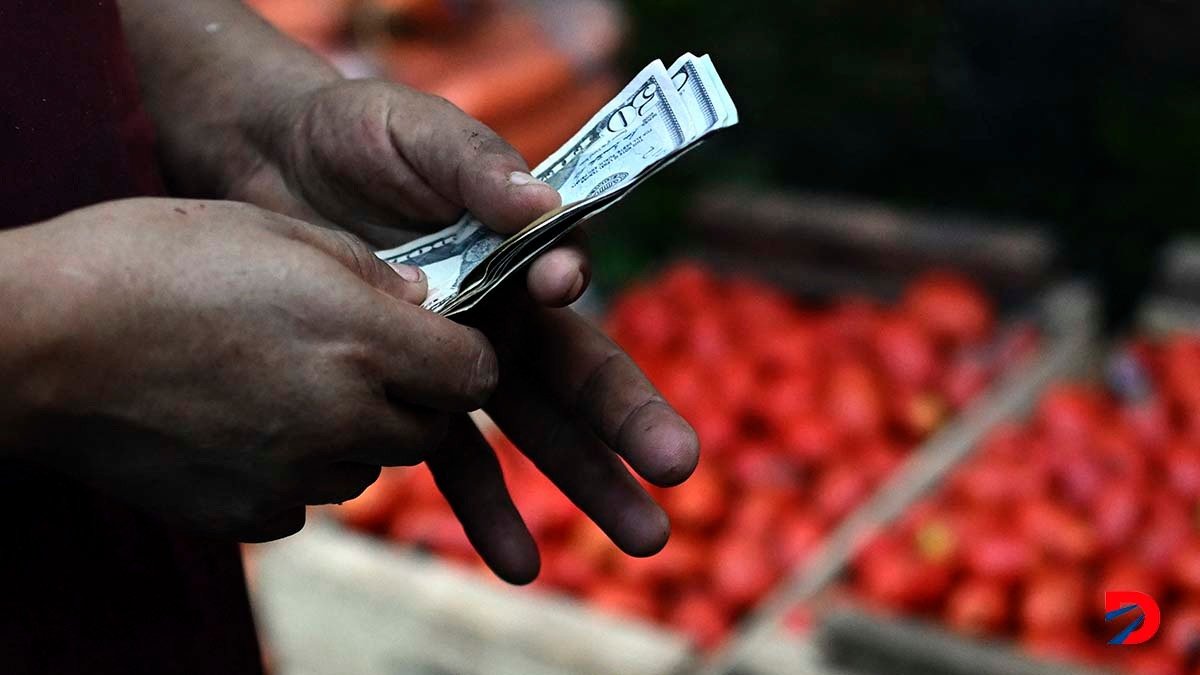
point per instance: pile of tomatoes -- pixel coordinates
(802, 410)
(1098, 491)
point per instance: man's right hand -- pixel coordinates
(221, 365)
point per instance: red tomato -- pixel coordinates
(715, 426)
(798, 539)
(1071, 413)
(757, 513)
(689, 283)
(1126, 574)
(1058, 532)
(1182, 462)
(965, 379)
(1119, 453)
(699, 503)
(706, 339)
(1054, 601)
(892, 576)
(794, 348)
(839, 490)
(686, 387)
(854, 399)
(435, 529)
(755, 307)
(1185, 566)
(1116, 515)
(906, 352)
(700, 618)
(1080, 476)
(373, 509)
(811, 438)
(735, 383)
(984, 483)
(544, 509)
(1181, 628)
(566, 569)
(743, 570)
(951, 307)
(420, 490)
(684, 560)
(977, 607)
(1149, 420)
(590, 543)
(999, 556)
(645, 320)
(1168, 526)
(877, 458)
(787, 397)
(759, 464)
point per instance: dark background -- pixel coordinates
(1084, 116)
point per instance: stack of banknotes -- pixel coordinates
(657, 117)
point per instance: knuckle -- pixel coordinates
(356, 251)
(482, 371)
(431, 430)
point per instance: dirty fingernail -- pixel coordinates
(521, 179)
(409, 273)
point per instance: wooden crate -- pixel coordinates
(766, 646)
(331, 601)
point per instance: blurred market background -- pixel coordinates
(931, 307)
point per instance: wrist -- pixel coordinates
(214, 92)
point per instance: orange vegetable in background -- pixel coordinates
(316, 24)
(541, 130)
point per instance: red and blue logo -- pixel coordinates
(1146, 617)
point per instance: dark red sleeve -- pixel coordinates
(72, 130)
(90, 585)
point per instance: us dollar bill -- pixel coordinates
(658, 115)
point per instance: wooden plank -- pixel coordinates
(334, 602)
(860, 234)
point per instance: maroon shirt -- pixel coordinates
(89, 585)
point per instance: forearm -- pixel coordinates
(213, 75)
(39, 294)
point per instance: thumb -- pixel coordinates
(472, 166)
(403, 282)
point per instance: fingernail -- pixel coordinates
(408, 273)
(521, 179)
(576, 288)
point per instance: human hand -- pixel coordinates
(393, 155)
(390, 163)
(223, 366)
(576, 405)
